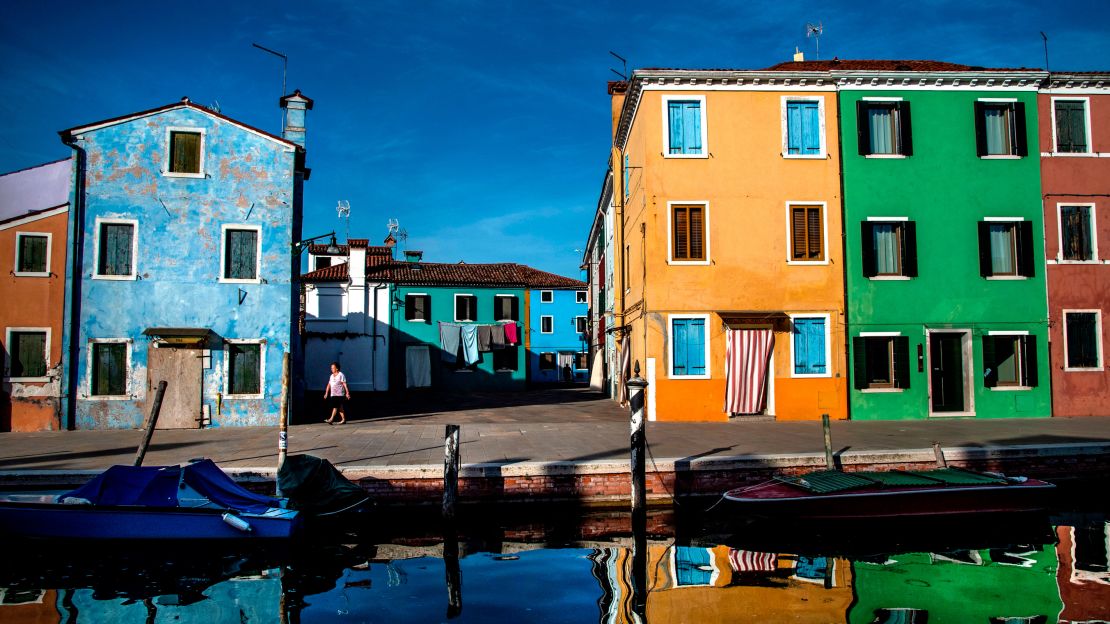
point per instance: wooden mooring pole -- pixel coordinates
(830, 463)
(283, 419)
(451, 463)
(939, 453)
(637, 401)
(151, 422)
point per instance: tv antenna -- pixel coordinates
(624, 65)
(398, 232)
(284, 70)
(214, 106)
(815, 31)
(1045, 37)
(343, 211)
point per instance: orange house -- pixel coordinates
(34, 210)
(729, 269)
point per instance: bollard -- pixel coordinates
(151, 422)
(830, 464)
(637, 398)
(451, 463)
(283, 421)
(939, 453)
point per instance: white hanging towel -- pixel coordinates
(418, 367)
(747, 355)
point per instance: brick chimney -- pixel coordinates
(617, 90)
(296, 106)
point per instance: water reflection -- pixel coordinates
(1042, 570)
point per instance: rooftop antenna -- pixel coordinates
(815, 31)
(343, 211)
(1045, 37)
(284, 70)
(398, 233)
(214, 106)
(624, 64)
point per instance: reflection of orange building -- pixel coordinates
(1083, 578)
(719, 584)
(29, 607)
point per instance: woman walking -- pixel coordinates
(336, 394)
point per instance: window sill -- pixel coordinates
(1006, 278)
(890, 278)
(331, 319)
(807, 262)
(546, 333)
(666, 155)
(1061, 262)
(810, 375)
(1010, 388)
(115, 278)
(31, 273)
(1074, 155)
(178, 174)
(681, 377)
(464, 321)
(886, 156)
(463, 370)
(108, 397)
(688, 262)
(950, 414)
(881, 390)
(1083, 370)
(1000, 157)
(505, 370)
(27, 379)
(244, 397)
(805, 156)
(228, 280)
(417, 321)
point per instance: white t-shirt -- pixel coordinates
(336, 383)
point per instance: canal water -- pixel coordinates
(576, 565)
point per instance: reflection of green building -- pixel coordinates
(970, 586)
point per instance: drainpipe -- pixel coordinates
(72, 313)
(848, 371)
(374, 340)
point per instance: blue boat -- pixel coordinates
(195, 502)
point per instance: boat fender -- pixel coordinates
(1018, 479)
(75, 500)
(237, 523)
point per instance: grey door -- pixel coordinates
(181, 369)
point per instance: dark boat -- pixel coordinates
(836, 495)
(318, 490)
(194, 502)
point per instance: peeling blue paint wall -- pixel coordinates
(564, 338)
(249, 179)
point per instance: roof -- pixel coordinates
(444, 274)
(296, 95)
(184, 103)
(34, 190)
(886, 65)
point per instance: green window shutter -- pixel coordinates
(115, 249)
(244, 368)
(32, 254)
(27, 354)
(241, 254)
(109, 374)
(901, 362)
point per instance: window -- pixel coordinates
(322, 262)
(505, 359)
(883, 128)
(693, 566)
(418, 307)
(881, 362)
(1006, 248)
(115, 249)
(32, 254)
(581, 361)
(547, 296)
(1009, 360)
(580, 296)
(109, 368)
(506, 308)
(466, 308)
(688, 233)
(889, 248)
(1082, 340)
(241, 253)
(807, 233)
(810, 345)
(627, 176)
(27, 353)
(244, 368)
(1000, 128)
(548, 361)
(802, 129)
(685, 124)
(547, 324)
(689, 348)
(1077, 242)
(580, 324)
(185, 151)
(1071, 126)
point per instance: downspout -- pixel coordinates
(374, 339)
(72, 313)
(848, 368)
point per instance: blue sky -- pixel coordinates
(483, 127)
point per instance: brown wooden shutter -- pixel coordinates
(697, 233)
(681, 228)
(798, 233)
(814, 236)
(185, 152)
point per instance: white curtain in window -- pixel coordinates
(886, 249)
(998, 130)
(1002, 249)
(879, 121)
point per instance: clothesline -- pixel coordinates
(475, 338)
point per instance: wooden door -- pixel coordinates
(181, 369)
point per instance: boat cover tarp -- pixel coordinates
(151, 486)
(314, 485)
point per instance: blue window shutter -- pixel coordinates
(679, 348)
(626, 176)
(695, 346)
(794, 127)
(801, 347)
(693, 566)
(816, 345)
(811, 128)
(692, 128)
(676, 146)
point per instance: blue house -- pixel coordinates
(558, 333)
(183, 223)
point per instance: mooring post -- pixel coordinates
(151, 422)
(636, 401)
(283, 418)
(453, 570)
(829, 463)
(450, 471)
(451, 463)
(939, 452)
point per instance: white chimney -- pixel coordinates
(799, 56)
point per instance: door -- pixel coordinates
(946, 358)
(181, 369)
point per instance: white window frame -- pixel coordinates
(1024, 364)
(786, 99)
(552, 321)
(257, 253)
(1060, 233)
(1087, 123)
(261, 342)
(1013, 220)
(455, 311)
(667, 99)
(580, 295)
(1098, 338)
(134, 249)
(887, 100)
(1013, 120)
(890, 278)
(670, 234)
(127, 388)
(49, 247)
(169, 155)
(828, 344)
(670, 346)
(418, 294)
(824, 226)
(547, 296)
(586, 323)
(45, 356)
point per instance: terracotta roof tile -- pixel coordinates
(443, 274)
(883, 65)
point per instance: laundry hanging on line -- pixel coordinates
(453, 337)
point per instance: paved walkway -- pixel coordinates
(530, 434)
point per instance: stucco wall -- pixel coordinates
(564, 337)
(349, 341)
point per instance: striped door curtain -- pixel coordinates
(747, 355)
(626, 369)
(752, 561)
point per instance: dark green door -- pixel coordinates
(947, 360)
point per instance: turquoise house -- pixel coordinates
(558, 348)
